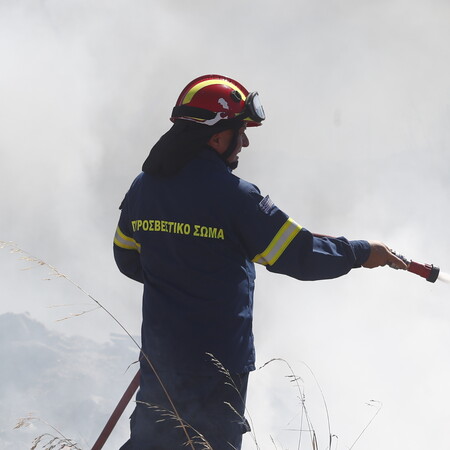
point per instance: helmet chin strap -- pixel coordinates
(231, 148)
(229, 151)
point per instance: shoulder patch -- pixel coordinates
(266, 204)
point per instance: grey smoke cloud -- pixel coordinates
(356, 144)
(45, 376)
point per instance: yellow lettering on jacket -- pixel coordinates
(165, 226)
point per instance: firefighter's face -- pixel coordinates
(221, 141)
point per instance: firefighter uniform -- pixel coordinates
(193, 239)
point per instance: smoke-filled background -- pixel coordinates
(356, 143)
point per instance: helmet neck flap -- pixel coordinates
(185, 141)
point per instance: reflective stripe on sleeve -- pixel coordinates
(125, 242)
(279, 243)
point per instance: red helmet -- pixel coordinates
(211, 98)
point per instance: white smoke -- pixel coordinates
(355, 144)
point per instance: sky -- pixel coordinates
(355, 143)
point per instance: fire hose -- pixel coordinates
(118, 411)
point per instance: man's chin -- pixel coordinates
(234, 164)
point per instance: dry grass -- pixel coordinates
(221, 369)
(306, 425)
(166, 415)
(47, 441)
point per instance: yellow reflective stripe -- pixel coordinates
(125, 242)
(188, 97)
(282, 239)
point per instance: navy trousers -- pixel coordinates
(211, 407)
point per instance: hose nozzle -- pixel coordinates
(427, 271)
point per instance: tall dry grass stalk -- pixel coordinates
(197, 439)
(47, 441)
(294, 379)
(221, 369)
(332, 438)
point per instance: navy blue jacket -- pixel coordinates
(192, 240)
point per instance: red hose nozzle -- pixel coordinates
(427, 271)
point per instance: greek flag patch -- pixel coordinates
(266, 204)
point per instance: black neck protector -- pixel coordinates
(183, 142)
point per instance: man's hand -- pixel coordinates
(380, 255)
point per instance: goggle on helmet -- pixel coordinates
(211, 98)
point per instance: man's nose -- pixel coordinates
(245, 141)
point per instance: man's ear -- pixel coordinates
(214, 141)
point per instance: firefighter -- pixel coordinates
(191, 231)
